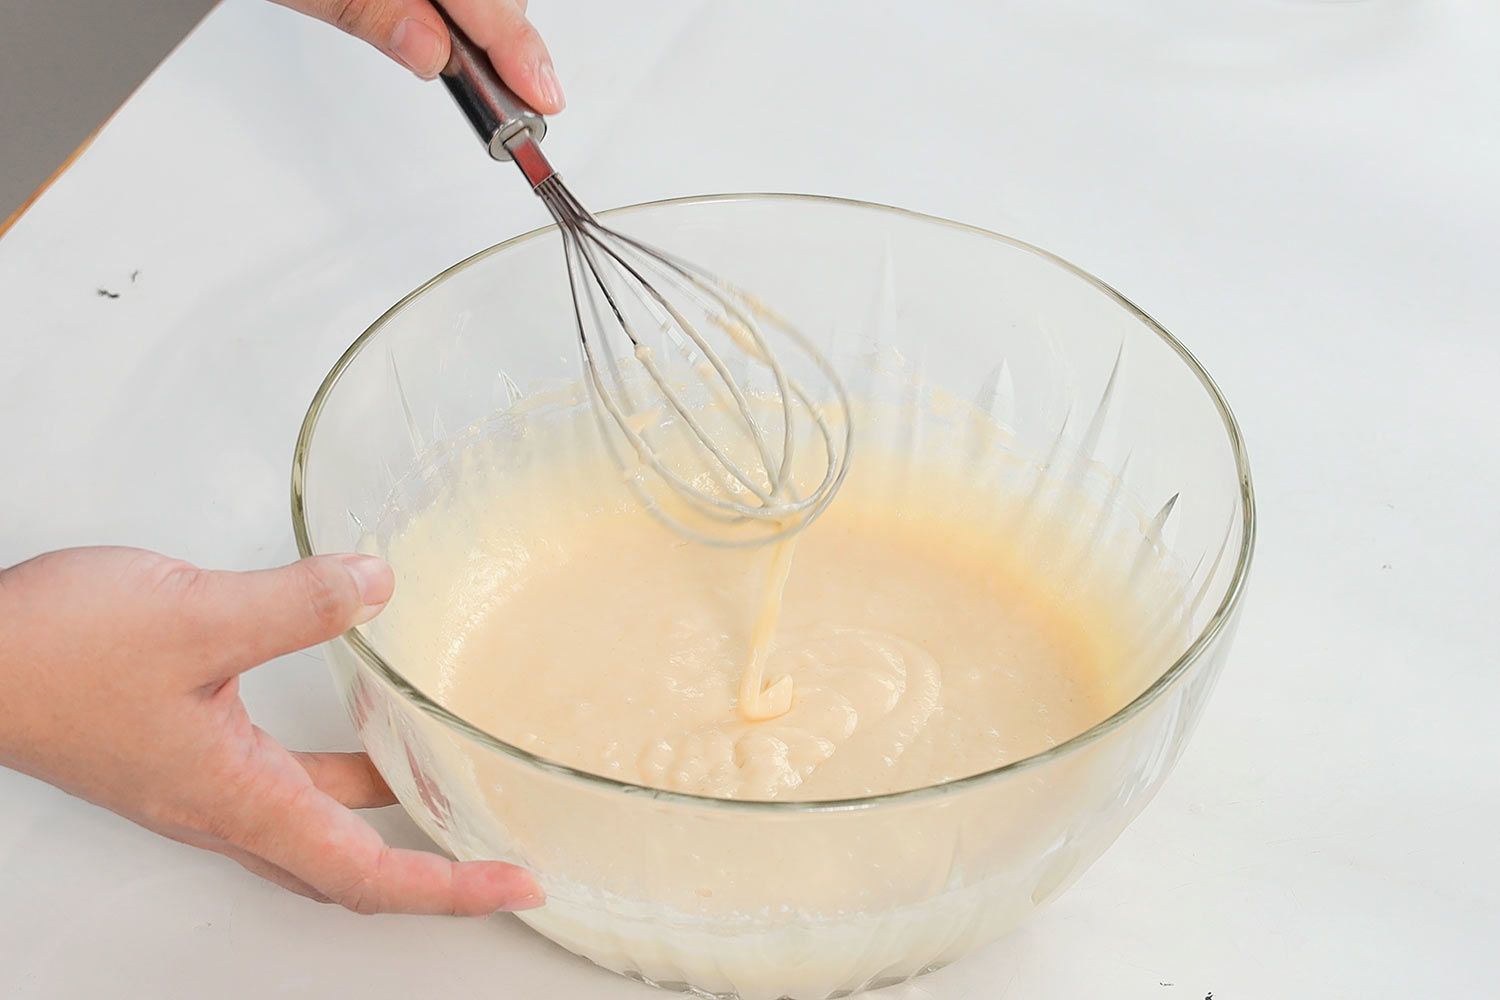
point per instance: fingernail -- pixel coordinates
(529, 901)
(375, 581)
(551, 88)
(418, 47)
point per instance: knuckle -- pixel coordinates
(222, 815)
(196, 818)
(454, 909)
(362, 902)
(350, 15)
(178, 584)
(183, 822)
(526, 36)
(363, 896)
(219, 824)
(327, 594)
(171, 576)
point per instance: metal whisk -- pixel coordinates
(715, 461)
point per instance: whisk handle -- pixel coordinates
(494, 110)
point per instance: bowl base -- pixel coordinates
(689, 989)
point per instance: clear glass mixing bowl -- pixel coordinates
(811, 900)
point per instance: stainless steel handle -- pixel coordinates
(494, 110)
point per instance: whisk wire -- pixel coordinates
(606, 265)
(667, 317)
(727, 510)
(644, 355)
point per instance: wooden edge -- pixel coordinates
(62, 168)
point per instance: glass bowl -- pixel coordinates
(801, 899)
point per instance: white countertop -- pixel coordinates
(1307, 193)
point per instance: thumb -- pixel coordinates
(409, 31)
(515, 48)
(254, 617)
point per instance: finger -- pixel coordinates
(272, 873)
(244, 619)
(409, 31)
(312, 837)
(349, 778)
(250, 862)
(520, 56)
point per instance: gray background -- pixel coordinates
(65, 66)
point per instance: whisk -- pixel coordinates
(735, 476)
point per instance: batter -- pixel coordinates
(908, 648)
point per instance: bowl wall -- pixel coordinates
(984, 353)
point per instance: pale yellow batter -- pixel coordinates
(910, 648)
(957, 607)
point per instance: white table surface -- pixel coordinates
(1307, 193)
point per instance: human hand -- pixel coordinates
(412, 32)
(119, 682)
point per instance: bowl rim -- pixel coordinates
(1223, 614)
